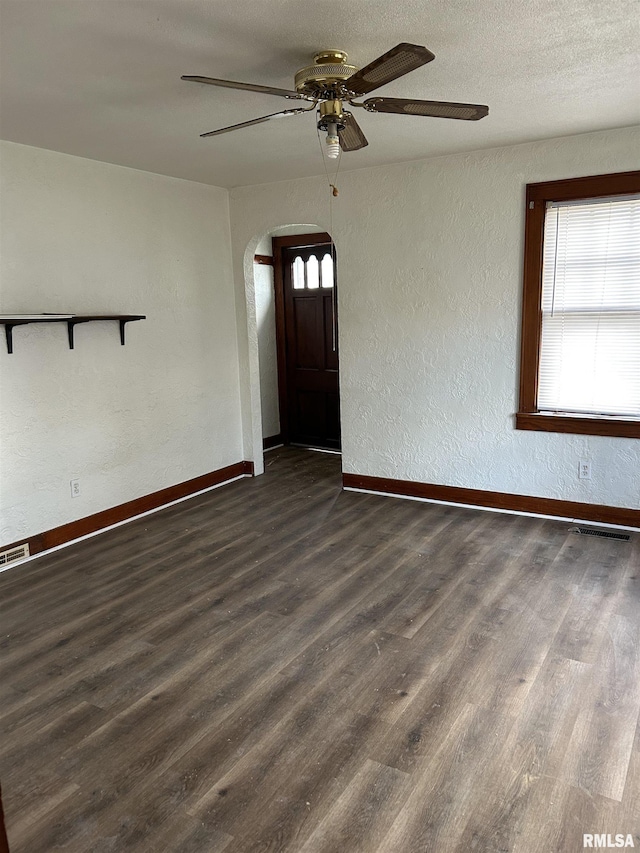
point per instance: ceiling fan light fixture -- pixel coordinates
(333, 141)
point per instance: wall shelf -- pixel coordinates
(10, 321)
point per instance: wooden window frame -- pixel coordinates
(529, 417)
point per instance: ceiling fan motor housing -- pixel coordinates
(326, 76)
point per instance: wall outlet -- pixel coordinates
(75, 488)
(584, 469)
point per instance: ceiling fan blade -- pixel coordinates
(254, 121)
(396, 62)
(436, 109)
(249, 87)
(351, 136)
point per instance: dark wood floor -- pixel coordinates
(281, 666)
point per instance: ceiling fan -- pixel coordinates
(330, 81)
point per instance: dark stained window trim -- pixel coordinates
(528, 417)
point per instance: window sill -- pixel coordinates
(579, 424)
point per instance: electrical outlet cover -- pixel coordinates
(584, 469)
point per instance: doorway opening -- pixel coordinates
(305, 283)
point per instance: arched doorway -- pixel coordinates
(263, 397)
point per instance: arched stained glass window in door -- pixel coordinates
(313, 273)
(298, 274)
(326, 268)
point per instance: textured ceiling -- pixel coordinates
(102, 79)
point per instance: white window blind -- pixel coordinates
(590, 347)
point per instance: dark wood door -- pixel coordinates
(311, 345)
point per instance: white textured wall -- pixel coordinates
(85, 237)
(430, 280)
(266, 327)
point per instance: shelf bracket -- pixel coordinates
(8, 331)
(70, 328)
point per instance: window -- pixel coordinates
(580, 360)
(311, 273)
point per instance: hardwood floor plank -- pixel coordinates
(534, 749)
(628, 815)
(558, 815)
(33, 800)
(434, 814)
(361, 813)
(60, 690)
(186, 835)
(585, 625)
(602, 742)
(512, 670)
(42, 745)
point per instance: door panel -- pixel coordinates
(311, 417)
(310, 345)
(307, 355)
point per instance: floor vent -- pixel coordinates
(13, 554)
(605, 534)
